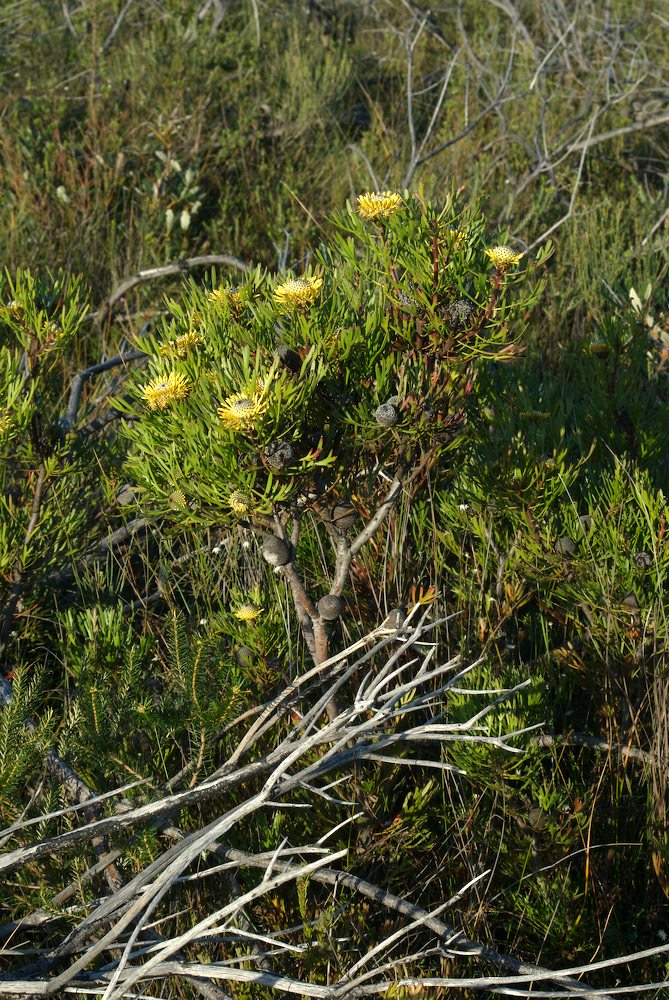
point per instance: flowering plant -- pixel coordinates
(329, 394)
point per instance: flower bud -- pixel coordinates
(630, 602)
(565, 547)
(244, 656)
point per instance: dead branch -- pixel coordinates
(396, 709)
(165, 271)
(79, 380)
(109, 40)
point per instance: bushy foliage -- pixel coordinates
(294, 395)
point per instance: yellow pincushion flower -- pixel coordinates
(456, 237)
(52, 331)
(504, 258)
(241, 411)
(231, 297)
(247, 612)
(5, 421)
(378, 204)
(15, 308)
(161, 392)
(178, 500)
(182, 345)
(240, 502)
(298, 293)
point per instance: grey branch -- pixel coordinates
(165, 271)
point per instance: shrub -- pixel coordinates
(329, 394)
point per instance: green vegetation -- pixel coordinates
(325, 414)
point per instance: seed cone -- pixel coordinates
(276, 551)
(330, 607)
(344, 516)
(386, 414)
(244, 656)
(290, 358)
(565, 547)
(279, 454)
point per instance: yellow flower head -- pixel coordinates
(298, 293)
(242, 410)
(231, 297)
(182, 345)
(247, 612)
(178, 500)
(240, 502)
(15, 308)
(504, 258)
(5, 421)
(166, 389)
(378, 204)
(456, 237)
(51, 330)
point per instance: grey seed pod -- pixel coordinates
(276, 551)
(330, 607)
(386, 414)
(395, 618)
(565, 547)
(459, 313)
(642, 560)
(290, 358)
(344, 516)
(586, 523)
(406, 300)
(126, 495)
(279, 454)
(630, 602)
(394, 401)
(244, 656)
(536, 818)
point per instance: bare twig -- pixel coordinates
(218, 7)
(111, 37)
(598, 743)
(370, 169)
(379, 516)
(67, 17)
(165, 271)
(76, 388)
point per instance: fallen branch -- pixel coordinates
(165, 271)
(598, 743)
(397, 708)
(79, 380)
